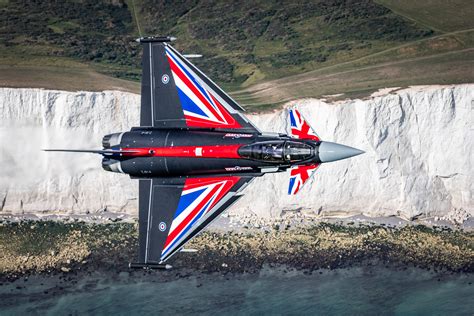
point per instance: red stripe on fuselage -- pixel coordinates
(213, 151)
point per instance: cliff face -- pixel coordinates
(418, 143)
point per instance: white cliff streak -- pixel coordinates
(418, 143)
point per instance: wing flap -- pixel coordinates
(159, 98)
(157, 205)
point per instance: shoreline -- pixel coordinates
(251, 221)
(72, 249)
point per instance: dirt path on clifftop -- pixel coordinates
(294, 79)
(276, 91)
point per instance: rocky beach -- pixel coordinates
(78, 248)
(75, 267)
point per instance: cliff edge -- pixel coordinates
(418, 161)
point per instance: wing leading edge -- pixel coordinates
(176, 94)
(172, 211)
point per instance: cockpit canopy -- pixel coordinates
(277, 151)
(295, 151)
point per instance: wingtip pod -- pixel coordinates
(299, 127)
(148, 39)
(149, 266)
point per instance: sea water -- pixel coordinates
(354, 291)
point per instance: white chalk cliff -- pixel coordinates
(418, 143)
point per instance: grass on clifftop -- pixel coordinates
(265, 52)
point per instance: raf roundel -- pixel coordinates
(165, 79)
(162, 226)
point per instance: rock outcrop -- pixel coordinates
(418, 161)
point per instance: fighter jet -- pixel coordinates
(195, 152)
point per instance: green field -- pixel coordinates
(263, 52)
(443, 16)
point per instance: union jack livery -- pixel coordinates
(300, 128)
(194, 152)
(299, 175)
(198, 198)
(200, 103)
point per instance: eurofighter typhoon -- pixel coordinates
(194, 152)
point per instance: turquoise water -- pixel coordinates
(355, 291)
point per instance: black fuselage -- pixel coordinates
(182, 152)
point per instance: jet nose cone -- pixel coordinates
(332, 151)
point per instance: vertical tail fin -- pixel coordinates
(300, 128)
